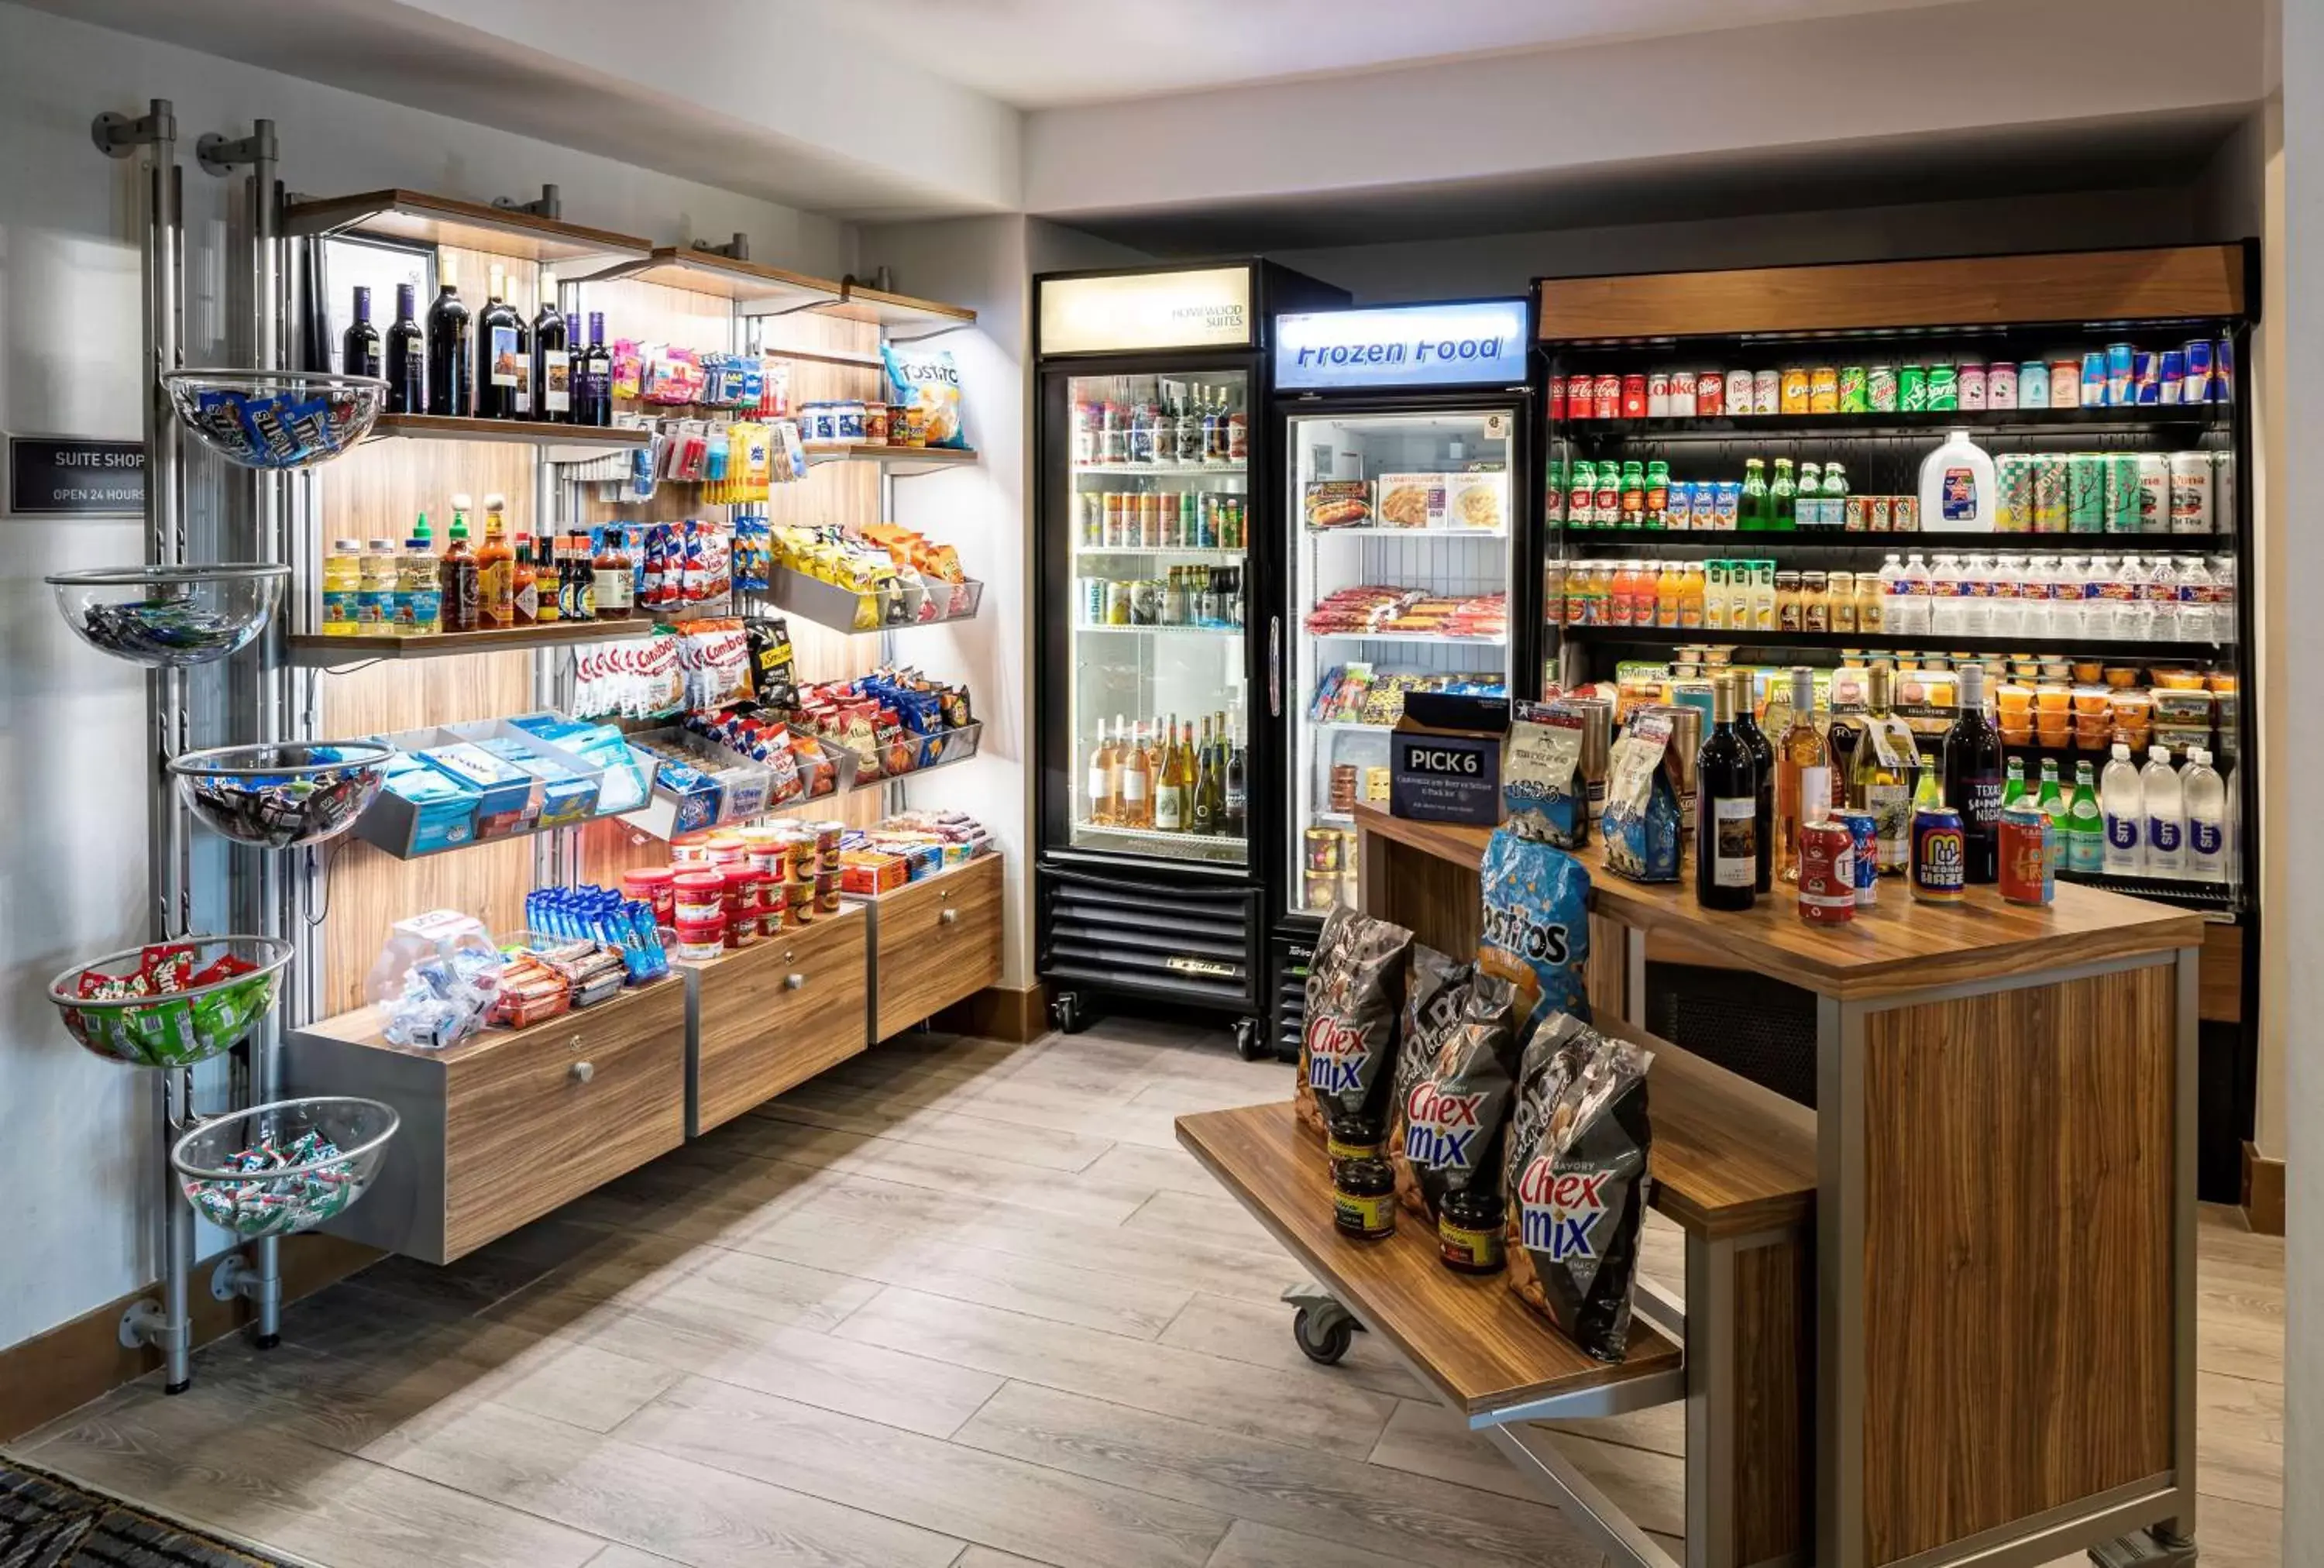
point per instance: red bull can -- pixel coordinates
(1940, 857)
(1864, 829)
(2173, 376)
(2121, 367)
(2145, 376)
(2097, 385)
(2223, 371)
(2196, 387)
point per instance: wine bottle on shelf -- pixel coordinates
(1136, 782)
(1238, 795)
(1973, 780)
(451, 375)
(1169, 799)
(406, 356)
(502, 361)
(1726, 811)
(595, 392)
(1210, 802)
(359, 347)
(1763, 760)
(552, 359)
(1100, 782)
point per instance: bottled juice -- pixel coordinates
(375, 589)
(1691, 594)
(419, 599)
(1669, 592)
(342, 588)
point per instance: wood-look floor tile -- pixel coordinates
(1368, 1507)
(948, 1130)
(2239, 1427)
(1173, 1170)
(1430, 1440)
(1250, 1546)
(643, 1498)
(620, 1556)
(1036, 1104)
(1031, 1509)
(986, 1557)
(990, 1175)
(1259, 1332)
(1212, 1216)
(1317, 1413)
(1182, 1094)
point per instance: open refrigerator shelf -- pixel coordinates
(2177, 418)
(1157, 470)
(1193, 552)
(2170, 654)
(1233, 632)
(1875, 545)
(1426, 533)
(896, 460)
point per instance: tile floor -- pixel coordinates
(954, 1304)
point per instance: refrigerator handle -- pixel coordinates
(1274, 667)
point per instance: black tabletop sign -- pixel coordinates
(49, 477)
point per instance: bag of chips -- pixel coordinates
(1641, 819)
(1576, 1181)
(1536, 930)
(1433, 1000)
(1543, 794)
(1446, 1135)
(1355, 991)
(927, 378)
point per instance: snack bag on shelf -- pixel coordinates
(1433, 998)
(1641, 818)
(1446, 1135)
(1574, 1181)
(1536, 925)
(926, 379)
(1543, 793)
(1355, 993)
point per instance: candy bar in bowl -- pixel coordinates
(170, 1004)
(169, 617)
(284, 1168)
(282, 795)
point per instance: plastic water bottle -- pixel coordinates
(1912, 604)
(2134, 617)
(2231, 816)
(1892, 591)
(2163, 598)
(2122, 801)
(2008, 614)
(2085, 825)
(2166, 815)
(2066, 598)
(2033, 592)
(2226, 624)
(2207, 818)
(1945, 608)
(1977, 596)
(2197, 594)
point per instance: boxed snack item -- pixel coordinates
(506, 803)
(1477, 501)
(866, 873)
(1575, 1178)
(1330, 503)
(419, 809)
(1411, 499)
(1355, 993)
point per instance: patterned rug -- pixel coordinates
(48, 1522)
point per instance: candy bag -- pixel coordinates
(1447, 1131)
(1536, 926)
(1355, 990)
(1543, 794)
(1576, 1181)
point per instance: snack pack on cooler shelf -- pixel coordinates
(1374, 608)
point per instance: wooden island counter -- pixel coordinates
(2005, 1204)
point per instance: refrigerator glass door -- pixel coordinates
(1400, 552)
(1158, 704)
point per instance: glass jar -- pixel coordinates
(1469, 1236)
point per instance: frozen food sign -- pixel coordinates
(1479, 343)
(1199, 308)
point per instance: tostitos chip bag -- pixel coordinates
(926, 379)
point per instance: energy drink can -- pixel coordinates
(2173, 376)
(2223, 371)
(1940, 855)
(2145, 376)
(2196, 387)
(2122, 367)
(1863, 830)
(2027, 855)
(2097, 380)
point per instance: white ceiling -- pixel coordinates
(1045, 53)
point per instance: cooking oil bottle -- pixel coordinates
(343, 588)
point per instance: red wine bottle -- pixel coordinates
(407, 357)
(359, 347)
(451, 386)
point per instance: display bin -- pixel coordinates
(764, 1017)
(408, 829)
(845, 610)
(743, 787)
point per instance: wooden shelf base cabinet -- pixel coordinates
(773, 1015)
(934, 942)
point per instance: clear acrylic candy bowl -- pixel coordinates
(171, 1028)
(286, 1166)
(282, 795)
(275, 418)
(169, 617)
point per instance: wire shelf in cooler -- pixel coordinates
(2176, 418)
(1434, 637)
(1157, 470)
(1318, 533)
(1165, 630)
(1760, 541)
(1196, 552)
(1164, 835)
(2145, 651)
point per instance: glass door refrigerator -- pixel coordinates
(1404, 540)
(1154, 515)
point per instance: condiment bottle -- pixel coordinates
(458, 577)
(524, 586)
(495, 566)
(609, 578)
(547, 575)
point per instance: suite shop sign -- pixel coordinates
(1477, 343)
(1193, 308)
(49, 477)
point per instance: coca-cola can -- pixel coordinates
(1827, 873)
(1658, 394)
(1557, 397)
(1606, 397)
(1634, 396)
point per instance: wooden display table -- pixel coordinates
(2005, 1212)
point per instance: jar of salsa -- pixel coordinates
(1468, 1231)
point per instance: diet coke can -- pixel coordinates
(1827, 873)
(1658, 396)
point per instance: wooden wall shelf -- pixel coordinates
(444, 220)
(316, 651)
(754, 287)
(534, 432)
(900, 317)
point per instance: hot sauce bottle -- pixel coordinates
(496, 567)
(524, 586)
(547, 575)
(456, 572)
(609, 574)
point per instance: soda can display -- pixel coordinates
(1940, 855)
(1682, 394)
(2095, 378)
(2153, 492)
(1944, 389)
(2065, 383)
(2145, 376)
(1879, 513)
(1092, 600)
(1855, 394)
(1738, 393)
(1904, 514)
(2171, 378)
(1823, 390)
(1853, 514)
(1634, 396)
(1709, 394)
(1605, 398)
(2027, 872)
(1659, 402)
(2013, 484)
(1766, 392)
(2223, 493)
(2190, 493)
(2032, 384)
(1880, 389)
(1972, 386)
(2223, 371)
(2049, 493)
(2125, 505)
(1912, 389)
(2197, 386)
(1795, 391)
(2000, 386)
(2122, 368)
(1827, 873)
(1864, 832)
(2086, 493)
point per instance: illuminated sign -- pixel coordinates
(1206, 308)
(1466, 344)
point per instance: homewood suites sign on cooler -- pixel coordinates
(1479, 343)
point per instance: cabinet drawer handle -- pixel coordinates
(582, 1071)
(573, 1042)
(789, 953)
(948, 916)
(793, 981)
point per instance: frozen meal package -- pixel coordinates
(1445, 1136)
(1433, 996)
(1641, 819)
(1478, 501)
(927, 378)
(1355, 994)
(1574, 1181)
(1543, 793)
(1536, 925)
(1411, 499)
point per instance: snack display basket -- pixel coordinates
(282, 795)
(169, 617)
(844, 609)
(176, 1029)
(276, 420)
(283, 1167)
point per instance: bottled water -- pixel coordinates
(2163, 598)
(2207, 818)
(2033, 592)
(1892, 578)
(1911, 607)
(2226, 624)
(2008, 614)
(1945, 607)
(2134, 617)
(1977, 596)
(2066, 586)
(2197, 596)
(2122, 802)
(2166, 815)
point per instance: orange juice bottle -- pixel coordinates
(1690, 596)
(1617, 601)
(1668, 592)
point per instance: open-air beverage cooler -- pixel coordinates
(1157, 643)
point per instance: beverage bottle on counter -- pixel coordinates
(1763, 765)
(2207, 818)
(1880, 775)
(1751, 513)
(451, 376)
(2166, 815)
(1783, 498)
(459, 575)
(407, 356)
(503, 359)
(2013, 783)
(2122, 799)
(1726, 811)
(359, 346)
(524, 586)
(376, 586)
(2051, 797)
(343, 588)
(552, 358)
(496, 567)
(1972, 781)
(2085, 825)
(420, 591)
(1803, 775)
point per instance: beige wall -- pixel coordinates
(2271, 510)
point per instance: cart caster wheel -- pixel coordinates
(1067, 1014)
(1249, 1043)
(1327, 1347)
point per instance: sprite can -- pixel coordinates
(1855, 396)
(2049, 493)
(1912, 389)
(2086, 486)
(2124, 501)
(1944, 389)
(2013, 479)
